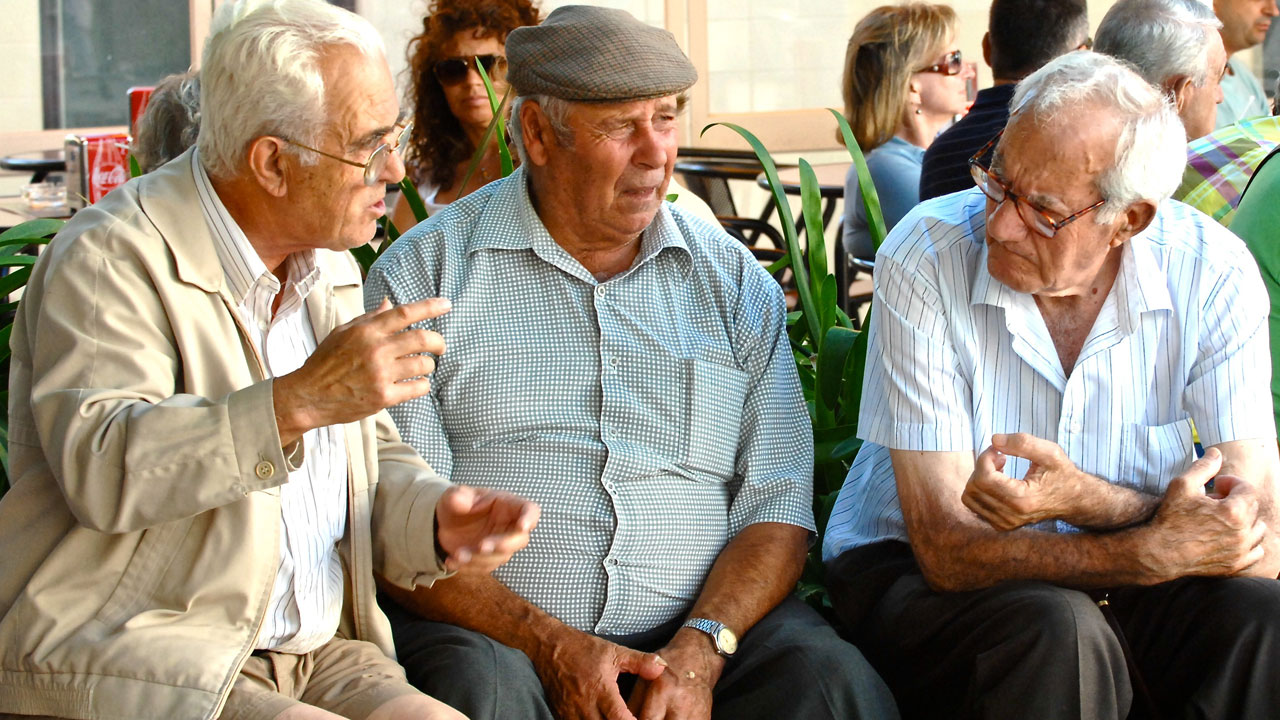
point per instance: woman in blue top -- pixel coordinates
(904, 81)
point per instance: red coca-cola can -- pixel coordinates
(96, 165)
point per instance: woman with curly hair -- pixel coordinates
(450, 106)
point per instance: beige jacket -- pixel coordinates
(139, 543)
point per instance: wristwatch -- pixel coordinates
(726, 642)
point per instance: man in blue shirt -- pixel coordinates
(626, 365)
(1021, 36)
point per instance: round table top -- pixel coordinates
(830, 179)
(39, 161)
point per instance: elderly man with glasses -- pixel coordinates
(204, 480)
(626, 365)
(1026, 531)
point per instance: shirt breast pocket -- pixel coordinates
(716, 394)
(1151, 455)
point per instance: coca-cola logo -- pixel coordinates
(108, 176)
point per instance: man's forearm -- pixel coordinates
(754, 572)
(1106, 506)
(482, 604)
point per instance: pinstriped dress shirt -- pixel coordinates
(306, 599)
(652, 416)
(956, 356)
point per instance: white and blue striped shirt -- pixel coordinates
(955, 356)
(306, 599)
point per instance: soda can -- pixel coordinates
(96, 165)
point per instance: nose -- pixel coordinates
(394, 171)
(651, 147)
(1003, 220)
(1269, 8)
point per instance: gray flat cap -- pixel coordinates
(593, 54)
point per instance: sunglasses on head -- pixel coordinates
(451, 71)
(953, 64)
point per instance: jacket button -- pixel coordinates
(265, 470)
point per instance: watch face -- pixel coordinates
(727, 641)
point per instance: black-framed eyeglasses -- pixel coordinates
(953, 64)
(998, 191)
(378, 159)
(452, 71)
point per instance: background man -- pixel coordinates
(1174, 45)
(1244, 25)
(1070, 324)
(627, 366)
(1021, 36)
(204, 482)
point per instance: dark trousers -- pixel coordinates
(1205, 648)
(792, 664)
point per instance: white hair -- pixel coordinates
(556, 111)
(261, 73)
(1151, 147)
(1163, 39)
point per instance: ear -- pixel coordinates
(1179, 88)
(537, 133)
(1134, 220)
(986, 48)
(269, 165)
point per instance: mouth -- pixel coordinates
(379, 207)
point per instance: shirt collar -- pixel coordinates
(1140, 286)
(241, 264)
(498, 231)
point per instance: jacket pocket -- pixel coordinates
(156, 549)
(1151, 455)
(715, 397)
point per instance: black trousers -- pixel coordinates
(1205, 647)
(792, 664)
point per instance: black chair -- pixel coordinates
(854, 291)
(707, 172)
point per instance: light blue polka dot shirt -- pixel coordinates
(652, 416)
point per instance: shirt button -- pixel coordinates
(265, 470)
(611, 562)
(613, 362)
(600, 290)
(1077, 427)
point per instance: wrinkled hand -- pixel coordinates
(1050, 489)
(674, 695)
(1199, 534)
(580, 676)
(371, 363)
(480, 529)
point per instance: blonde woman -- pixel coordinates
(904, 81)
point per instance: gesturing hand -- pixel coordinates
(580, 676)
(1050, 489)
(371, 363)
(480, 529)
(1199, 534)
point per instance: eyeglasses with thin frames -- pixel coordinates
(953, 64)
(452, 71)
(378, 159)
(998, 191)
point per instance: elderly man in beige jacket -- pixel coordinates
(204, 478)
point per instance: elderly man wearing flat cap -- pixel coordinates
(625, 365)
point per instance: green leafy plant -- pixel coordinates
(830, 355)
(18, 266)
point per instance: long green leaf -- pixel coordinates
(807, 305)
(811, 212)
(832, 362)
(409, 192)
(135, 169)
(14, 280)
(478, 155)
(866, 188)
(364, 255)
(504, 152)
(854, 372)
(31, 231)
(17, 260)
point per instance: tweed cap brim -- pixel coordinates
(592, 54)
